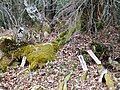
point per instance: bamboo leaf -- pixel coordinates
(109, 81)
(5, 37)
(36, 87)
(61, 84)
(66, 80)
(65, 86)
(68, 77)
(84, 75)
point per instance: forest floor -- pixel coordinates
(49, 77)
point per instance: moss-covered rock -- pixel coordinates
(4, 62)
(38, 54)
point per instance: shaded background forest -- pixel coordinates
(93, 15)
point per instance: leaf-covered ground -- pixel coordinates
(49, 77)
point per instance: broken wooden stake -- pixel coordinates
(84, 67)
(94, 57)
(23, 61)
